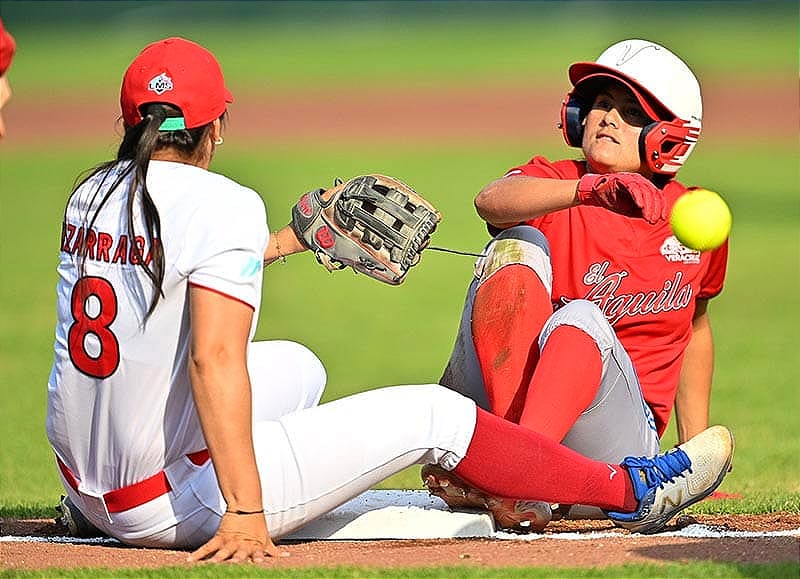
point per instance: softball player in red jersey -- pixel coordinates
(587, 320)
(7, 48)
(172, 429)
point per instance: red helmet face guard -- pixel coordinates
(664, 146)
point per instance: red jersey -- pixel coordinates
(642, 278)
(7, 46)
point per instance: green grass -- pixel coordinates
(753, 319)
(690, 570)
(371, 43)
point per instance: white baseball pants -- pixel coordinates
(311, 458)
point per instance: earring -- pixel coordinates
(219, 141)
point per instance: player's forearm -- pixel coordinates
(693, 397)
(221, 389)
(282, 243)
(222, 396)
(518, 198)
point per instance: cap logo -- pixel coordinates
(630, 53)
(160, 84)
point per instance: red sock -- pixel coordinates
(509, 311)
(507, 460)
(564, 383)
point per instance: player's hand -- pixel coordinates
(629, 194)
(240, 538)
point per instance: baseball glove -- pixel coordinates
(373, 223)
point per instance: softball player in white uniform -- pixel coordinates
(172, 429)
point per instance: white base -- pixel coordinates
(395, 514)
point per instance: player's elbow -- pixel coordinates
(487, 206)
(212, 359)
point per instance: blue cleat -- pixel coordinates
(668, 483)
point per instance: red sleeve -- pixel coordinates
(541, 167)
(714, 279)
(7, 47)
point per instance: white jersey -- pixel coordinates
(120, 405)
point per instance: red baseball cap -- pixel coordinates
(7, 47)
(178, 72)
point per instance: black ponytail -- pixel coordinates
(138, 145)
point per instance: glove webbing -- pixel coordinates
(374, 210)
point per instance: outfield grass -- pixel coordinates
(373, 43)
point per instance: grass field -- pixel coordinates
(754, 320)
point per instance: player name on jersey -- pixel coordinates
(102, 246)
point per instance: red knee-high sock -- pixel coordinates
(508, 460)
(509, 311)
(564, 383)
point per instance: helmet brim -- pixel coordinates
(583, 73)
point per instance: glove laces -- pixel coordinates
(663, 468)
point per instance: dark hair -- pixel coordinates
(138, 145)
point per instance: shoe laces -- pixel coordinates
(661, 469)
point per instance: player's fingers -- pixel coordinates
(649, 212)
(658, 209)
(659, 205)
(204, 551)
(247, 551)
(664, 211)
(224, 553)
(272, 551)
(647, 201)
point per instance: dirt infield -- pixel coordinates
(564, 544)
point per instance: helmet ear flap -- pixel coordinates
(664, 146)
(573, 112)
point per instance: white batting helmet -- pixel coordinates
(665, 87)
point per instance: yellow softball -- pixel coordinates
(701, 220)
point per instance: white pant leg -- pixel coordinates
(285, 377)
(618, 422)
(521, 245)
(316, 459)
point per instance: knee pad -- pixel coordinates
(520, 245)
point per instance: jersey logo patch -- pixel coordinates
(160, 84)
(251, 267)
(674, 251)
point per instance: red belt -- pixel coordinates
(138, 493)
